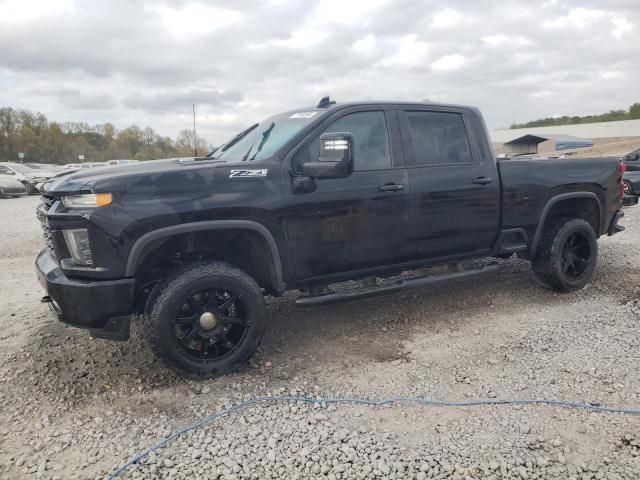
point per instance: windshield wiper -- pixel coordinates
(234, 140)
(265, 137)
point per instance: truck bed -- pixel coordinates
(529, 184)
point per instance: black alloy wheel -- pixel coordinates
(576, 255)
(210, 324)
(567, 254)
(206, 319)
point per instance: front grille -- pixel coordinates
(47, 233)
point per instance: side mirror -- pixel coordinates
(336, 157)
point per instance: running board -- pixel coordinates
(405, 284)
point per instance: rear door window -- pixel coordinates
(437, 138)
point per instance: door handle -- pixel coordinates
(391, 187)
(482, 180)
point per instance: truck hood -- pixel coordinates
(123, 178)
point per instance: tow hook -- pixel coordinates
(46, 299)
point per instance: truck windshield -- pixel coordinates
(265, 138)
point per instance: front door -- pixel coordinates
(358, 222)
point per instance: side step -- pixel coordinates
(404, 284)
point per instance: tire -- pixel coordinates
(31, 188)
(628, 190)
(205, 319)
(567, 255)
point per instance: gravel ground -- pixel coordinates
(72, 407)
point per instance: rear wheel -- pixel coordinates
(627, 188)
(567, 255)
(206, 319)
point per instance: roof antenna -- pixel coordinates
(195, 135)
(325, 102)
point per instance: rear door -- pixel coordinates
(455, 190)
(358, 222)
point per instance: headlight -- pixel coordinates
(87, 200)
(78, 245)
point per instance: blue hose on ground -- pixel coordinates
(365, 401)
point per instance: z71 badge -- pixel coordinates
(248, 173)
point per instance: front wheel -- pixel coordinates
(627, 188)
(567, 255)
(206, 319)
(31, 188)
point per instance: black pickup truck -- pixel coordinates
(302, 200)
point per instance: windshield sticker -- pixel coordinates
(303, 115)
(262, 172)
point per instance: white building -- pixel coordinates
(609, 138)
(625, 128)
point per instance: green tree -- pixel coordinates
(47, 141)
(634, 110)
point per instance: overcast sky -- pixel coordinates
(146, 62)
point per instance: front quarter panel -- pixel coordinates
(186, 194)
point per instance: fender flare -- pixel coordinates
(138, 247)
(559, 198)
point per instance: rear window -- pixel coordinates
(438, 138)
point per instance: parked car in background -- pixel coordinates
(632, 182)
(10, 186)
(28, 174)
(632, 160)
(72, 166)
(93, 164)
(50, 167)
(121, 162)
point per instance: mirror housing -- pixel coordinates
(336, 157)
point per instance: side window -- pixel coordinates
(370, 136)
(438, 138)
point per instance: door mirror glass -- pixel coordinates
(335, 159)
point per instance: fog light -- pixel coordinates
(78, 245)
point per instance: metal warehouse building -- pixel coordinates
(605, 138)
(544, 143)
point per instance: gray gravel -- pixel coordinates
(73, 407)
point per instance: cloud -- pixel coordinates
(75, 99)
(448, 62)
(146, 62)
(194, 19)
(181, 100)
(24, 11)
(446, 18)
(410, 52)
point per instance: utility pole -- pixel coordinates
(195, 135)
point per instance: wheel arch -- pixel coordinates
(585, 205)
(145, 245)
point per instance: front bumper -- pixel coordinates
(98, 305)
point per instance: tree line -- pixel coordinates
(45, 141)
(613, 115)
